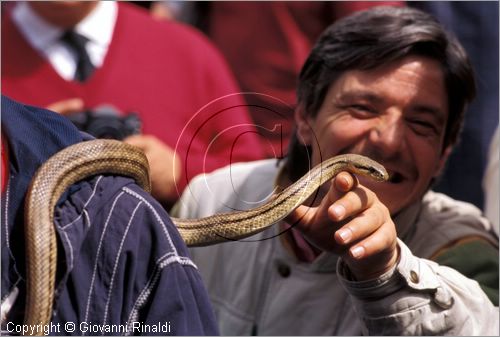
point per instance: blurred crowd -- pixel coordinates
(186, 89)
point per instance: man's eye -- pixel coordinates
(362, 108)
(423, 127)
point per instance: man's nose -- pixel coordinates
(388, 135)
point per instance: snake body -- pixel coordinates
(68, 166)
(89, 158)
(241, 224)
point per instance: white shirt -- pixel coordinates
(43, 36)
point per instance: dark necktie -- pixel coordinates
(84, 68)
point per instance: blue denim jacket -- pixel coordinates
(122, 267)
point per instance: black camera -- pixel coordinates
(106, 122)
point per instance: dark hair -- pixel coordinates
(375, 37)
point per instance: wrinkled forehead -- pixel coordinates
(414, 78)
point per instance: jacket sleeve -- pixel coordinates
(172, 297)
(126, 267)
(474, 258)
(421, 297)
(173, 303)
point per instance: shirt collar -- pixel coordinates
(36, 30)
(97, 26)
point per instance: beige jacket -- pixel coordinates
(257, 287)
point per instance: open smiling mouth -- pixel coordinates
(395, 177)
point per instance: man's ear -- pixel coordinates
(442, 162)
(304, 132)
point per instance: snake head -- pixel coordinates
(378, 172)
(367, 167)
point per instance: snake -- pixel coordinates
(103, 156)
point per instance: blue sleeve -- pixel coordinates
(123, 265)
(174, 292)
(180, 299)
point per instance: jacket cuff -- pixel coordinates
(412, 281)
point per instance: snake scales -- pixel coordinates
(107, 156)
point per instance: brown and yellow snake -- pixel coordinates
(90, 158)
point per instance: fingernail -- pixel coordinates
(345, 235)
(339, 211)
(357, 252)
(345, 180)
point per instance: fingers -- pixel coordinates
(383, 239)
(347, 197)
(374, 255)
(305, 215)
(368, 228)
(367, 235)
(363, 231)
(344, 181)
(141, 141)
(165, 165)
(67, 106)
(158, 153)
(299, 218)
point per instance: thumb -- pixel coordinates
(304, 217)
(301, 214)
(301, 218)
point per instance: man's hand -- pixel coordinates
(353, 222)
(165, 170)
(67, 106)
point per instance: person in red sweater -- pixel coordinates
(192, 119)
(266, 44)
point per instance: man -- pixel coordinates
(121, 263)
(391, 258)
(169, 74)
